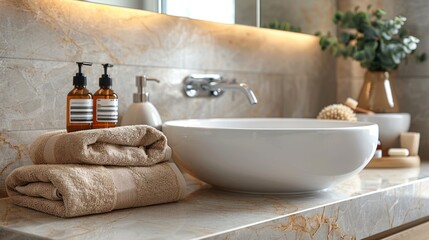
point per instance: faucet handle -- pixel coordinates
(201, 85)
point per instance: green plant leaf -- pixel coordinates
(378, 44)
(345, 37)
(338, 16)
(379, 13)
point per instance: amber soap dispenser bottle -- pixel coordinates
(105, 102)
(79, 103)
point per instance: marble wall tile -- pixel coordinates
(348, 68)
(296, 101)
(48, 24)
(14, 149)
(311, 16)
(37, 93)
(125, 36)
(348, 87)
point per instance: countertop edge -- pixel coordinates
(388, 204)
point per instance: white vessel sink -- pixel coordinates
(271, 155)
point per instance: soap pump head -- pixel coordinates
(142, 94)
(79, 79)
(105, 81)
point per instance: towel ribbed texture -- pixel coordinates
(138, 145)
(124, 167)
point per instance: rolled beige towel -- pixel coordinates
(121, 146)
(76, 190)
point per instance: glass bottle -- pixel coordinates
(105, 102)
(79, 103)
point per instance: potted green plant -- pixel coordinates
(380, 45)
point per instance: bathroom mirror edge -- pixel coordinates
(306, 16)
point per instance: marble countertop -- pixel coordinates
(367, 204)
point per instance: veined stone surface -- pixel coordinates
(36, 93)
(14, 148)
(373, 201)
(66, 30)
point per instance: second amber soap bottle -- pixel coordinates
(105, 102)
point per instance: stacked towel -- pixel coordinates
(122, 146)
(129, 169)
(75, 190)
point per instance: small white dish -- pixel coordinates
(271, 155)
(391, 125)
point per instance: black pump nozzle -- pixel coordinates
(79, 79)
(105, 80)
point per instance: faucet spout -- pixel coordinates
(242, 87)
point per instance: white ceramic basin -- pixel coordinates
(271, 155)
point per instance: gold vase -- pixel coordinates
(378, 93)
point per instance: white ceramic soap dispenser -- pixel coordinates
(142, 111)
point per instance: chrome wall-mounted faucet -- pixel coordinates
(212, 85)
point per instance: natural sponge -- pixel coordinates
(337, 112)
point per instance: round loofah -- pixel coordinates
(337, 112)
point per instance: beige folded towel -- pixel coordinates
(74, 190)
(122, 146)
